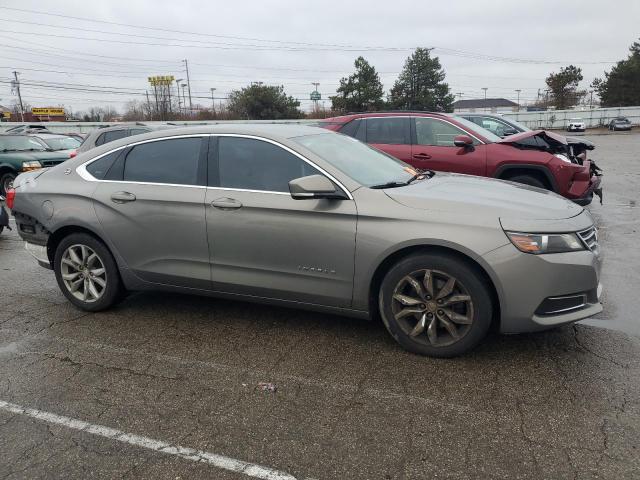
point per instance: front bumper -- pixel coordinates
(585, 182)
(526, 282)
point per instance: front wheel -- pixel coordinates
(435, 305)
(86, 273)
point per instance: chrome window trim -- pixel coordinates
(432, 118)
(81, 169)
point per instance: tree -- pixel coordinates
(421, 86)
(621, 86)
(361, 91)
(563, 87)
(261, 102)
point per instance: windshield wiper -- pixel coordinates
(418, 176)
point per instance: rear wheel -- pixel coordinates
(435, 305)
(86, 272)
(6, 182)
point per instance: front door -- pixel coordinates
(263, 242)
(434, 149)
(152, 210)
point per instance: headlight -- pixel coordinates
(562, 157)
(28, 166)
(538, 243)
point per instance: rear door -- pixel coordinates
(389, 134)
(433, 148)
(151, 205)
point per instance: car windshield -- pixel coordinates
(477, 129)
(61, 143)
(17, 143)
(366, 165)
(517, 124)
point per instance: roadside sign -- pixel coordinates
(315, 95)
(161, 80)
(6, 114)
(54, 112)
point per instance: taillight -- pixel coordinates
(73, 153)
(11, 196)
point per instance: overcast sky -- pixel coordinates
(232, 43)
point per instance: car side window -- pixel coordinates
(137, 131)
(112, 135)
(494, 126)
(173, 161)
(351, 128)
(431, 131)
(251, 164)
(389, 131)
(99, 168)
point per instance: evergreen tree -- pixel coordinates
(563, 87)
(421, 85)
(621, 86)
(361, 91)
(261, 102)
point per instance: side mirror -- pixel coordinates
(463, 141)
(509, 131)
(314, 186)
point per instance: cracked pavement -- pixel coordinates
(350, 404)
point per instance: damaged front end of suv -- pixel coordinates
(586, 181)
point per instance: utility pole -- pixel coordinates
(186, 67)
(178, 80)
(485, 98)
(518, 90)
(17, 83)
(184, 98)
(459, 94)
(149, 105)
(213, 103)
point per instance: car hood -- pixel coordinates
(31, 156)
(552, 138)
(469, 195)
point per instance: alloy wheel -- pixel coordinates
(432, 307)
(83, 273)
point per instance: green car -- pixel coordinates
(20, 153)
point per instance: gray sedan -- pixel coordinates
(298, 216)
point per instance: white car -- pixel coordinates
(576, 125)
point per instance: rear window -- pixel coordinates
(112, 135)
(351, 128)
(100, 167)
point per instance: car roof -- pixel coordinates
(47, 135)
(388, 113)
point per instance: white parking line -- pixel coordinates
(219, 461)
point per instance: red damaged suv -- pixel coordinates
(438, 141)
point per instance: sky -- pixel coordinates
(100, 53)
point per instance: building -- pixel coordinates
(492, 105)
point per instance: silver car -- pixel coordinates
(303, 217)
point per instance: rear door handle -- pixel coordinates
(422, 156)
(226, 203)
(122, 197)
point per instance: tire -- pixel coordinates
(528, 180)
(1, 230)
(64, 266)
(6, 180)
(423, 330)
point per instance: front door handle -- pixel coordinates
(122, 197)
(421, 156)
(226, 203)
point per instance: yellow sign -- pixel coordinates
(6, 114)
(55, 112)
(161, 80)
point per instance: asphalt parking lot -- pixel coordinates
(179, 387)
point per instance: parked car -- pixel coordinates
(503, 127)
(27, 128)
(302, 217)
(448, 143)
(58, 143)
(576, 125)
(109, 134)
(21, 153)
(4, 216)
(620, 123)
